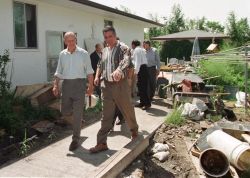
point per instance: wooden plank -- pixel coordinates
(246, 137)
(28, 90)
(194, 159)
(205, 125)
(42, 96)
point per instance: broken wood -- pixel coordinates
(28, 90)
(43, 126)
(42, 96)
(233, 172)
(195, 152)
(194, 159)
(246, 137)
(205, 125)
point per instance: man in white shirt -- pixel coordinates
(74, 66)
(141, 70)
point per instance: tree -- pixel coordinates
(238, 30)
(214, 27)
(154, 31)
(125, 9)
(176, 22)
(204, 24)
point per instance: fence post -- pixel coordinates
(246, 76)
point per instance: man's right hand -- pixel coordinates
(96, 81)
(55, 91)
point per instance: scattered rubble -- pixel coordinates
(43, 126)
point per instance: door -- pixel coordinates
(54, 42)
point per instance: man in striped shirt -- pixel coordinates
(112, 71)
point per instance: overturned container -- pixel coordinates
(214, 163)
(237, 152)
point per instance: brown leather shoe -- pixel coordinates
(134, 135)
(99, 148)
(74, 145)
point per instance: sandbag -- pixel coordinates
(161, 156)
(159, 147)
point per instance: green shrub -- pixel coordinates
(17, 113)
(4, 84)
(231, 74)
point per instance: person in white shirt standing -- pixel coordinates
(74, 66)
(141, 70)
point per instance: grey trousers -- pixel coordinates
(116, 94)
(73, 98)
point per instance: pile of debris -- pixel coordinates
(167, 155)
(223, 147)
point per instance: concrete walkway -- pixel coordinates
(56, 161)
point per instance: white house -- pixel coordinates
(32, 31)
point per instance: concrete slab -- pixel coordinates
(56, 161)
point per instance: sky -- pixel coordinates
(216, 10)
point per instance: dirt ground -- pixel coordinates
(177, 165)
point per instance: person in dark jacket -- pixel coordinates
(95, 58)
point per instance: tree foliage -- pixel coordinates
(238, 30)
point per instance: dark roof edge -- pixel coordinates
(187, 38)
(116, 11)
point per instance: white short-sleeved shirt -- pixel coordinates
(138, 58)
(75, 65)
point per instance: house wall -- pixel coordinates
(30, 65)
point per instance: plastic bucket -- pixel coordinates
(237, 152)
(214, 163)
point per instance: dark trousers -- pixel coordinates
(143, 85)
(152, 81)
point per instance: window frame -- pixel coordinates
(25, 26)
(108, 20)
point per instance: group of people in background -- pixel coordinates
(113, 70)
(143, 70)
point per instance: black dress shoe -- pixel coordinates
(73, 146)
(146, 107)
(140, 105)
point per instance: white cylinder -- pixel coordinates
(214, 163)
(237, 152)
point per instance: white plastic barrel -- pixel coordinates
(237, 152)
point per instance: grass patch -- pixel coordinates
(175, 118)
(215, 118)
